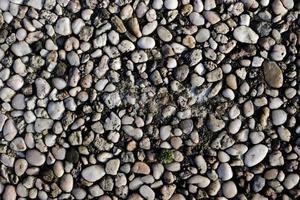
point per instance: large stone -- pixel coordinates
(255, 155)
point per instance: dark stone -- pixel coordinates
(72, 155)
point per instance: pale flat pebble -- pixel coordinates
(93, 173)
(255, 155)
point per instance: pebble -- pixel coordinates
(165, 132)
(20, 166)
(235, 126)
(291, 181)
(35, 157)
(214, 75)
(146, 43)
(215, 124)
(203, 35)
(56, 110)
(171, 4)
(164, 34)
(147, 192)
(42, 88)
(201, 164)
(278, 52)
(225, 172)
(21, 49)
(255, 155)
(245, 34)
(93, 173)
(63, 26)
(273, 74)
(196, 19)
(18, 102)
(201, 181)
(66, 183)
(279, 117)
(112, 166)
(140, 168)
(284, 134)
(9, 130)
(9, 193)
(161, 99)
(229, 189)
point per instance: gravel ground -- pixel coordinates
(149, 99)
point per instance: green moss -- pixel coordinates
(165, 156)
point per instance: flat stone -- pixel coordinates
(255, 155)
(93, 173)
(9, 130)
(273, 74)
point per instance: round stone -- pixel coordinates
(203, 35)
(35, 158)
(279, 117)
(146, 43)
(229, 189)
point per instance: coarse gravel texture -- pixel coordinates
(149, 99)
